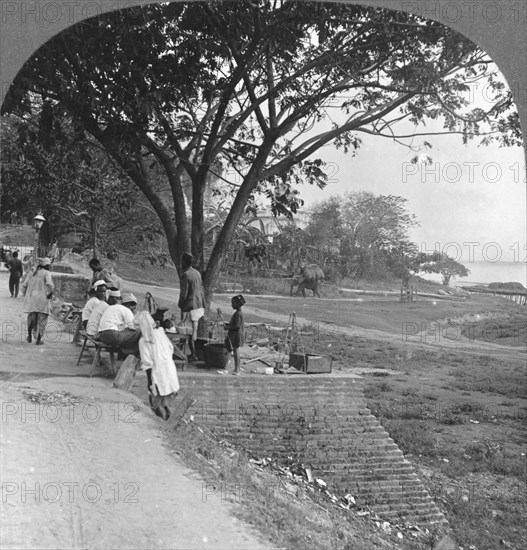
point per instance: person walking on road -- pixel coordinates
(191, 299)
(38, 291)
(14, 265)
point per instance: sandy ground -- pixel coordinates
(91, 470)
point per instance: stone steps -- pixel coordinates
(380, 468)
(321, 421)
(404, 514)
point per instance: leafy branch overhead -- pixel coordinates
(249, 92)
(50, 166)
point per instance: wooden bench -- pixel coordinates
(99, 347)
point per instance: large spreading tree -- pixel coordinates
(248, 92)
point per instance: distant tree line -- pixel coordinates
(359, 236)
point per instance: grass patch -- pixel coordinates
(487, 456)
(510, 329)
(412, 436)
(501, 380)
(374, 390)
(487, 513)
(460, 418)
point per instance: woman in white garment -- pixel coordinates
(156, 351)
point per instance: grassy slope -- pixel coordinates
(23, 235)
(142, 271)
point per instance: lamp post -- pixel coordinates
(38, 222)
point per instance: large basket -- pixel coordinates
(216, 356)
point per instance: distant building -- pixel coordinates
(273, 224)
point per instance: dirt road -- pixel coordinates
(436, 336)
(273, 308)
(90, 468)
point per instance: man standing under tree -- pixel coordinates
(15, 274)
(191, 299)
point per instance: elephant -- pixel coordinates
(309, 277)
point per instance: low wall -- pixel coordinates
(70, 287)
(321, 421)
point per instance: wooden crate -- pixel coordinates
(310, 363)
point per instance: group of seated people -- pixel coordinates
(109, 316)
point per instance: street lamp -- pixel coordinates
(38, 222)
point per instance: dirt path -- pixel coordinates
(92, 470)
(436, 336)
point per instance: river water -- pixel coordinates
(488, 272)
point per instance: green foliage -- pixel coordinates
(368, 232)
(446, 266)
(245, 92)
(325, 223)
(50, 165)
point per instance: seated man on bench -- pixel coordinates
(92, 326)
(117, 328)
(99, 289)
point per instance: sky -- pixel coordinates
(470, 202)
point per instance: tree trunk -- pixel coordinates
(197, 236)
(227, 231)
(93, 229)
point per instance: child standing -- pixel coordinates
(236, 332)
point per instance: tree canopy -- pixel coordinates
(369, 233)
(448, 267)
(248, 93)
(79, 190)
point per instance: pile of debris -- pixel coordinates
(57, 398)
(298, 481)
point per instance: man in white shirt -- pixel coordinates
(117, 326)
(100, 296)
(92, 326)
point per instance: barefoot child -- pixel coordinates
(236, 331)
